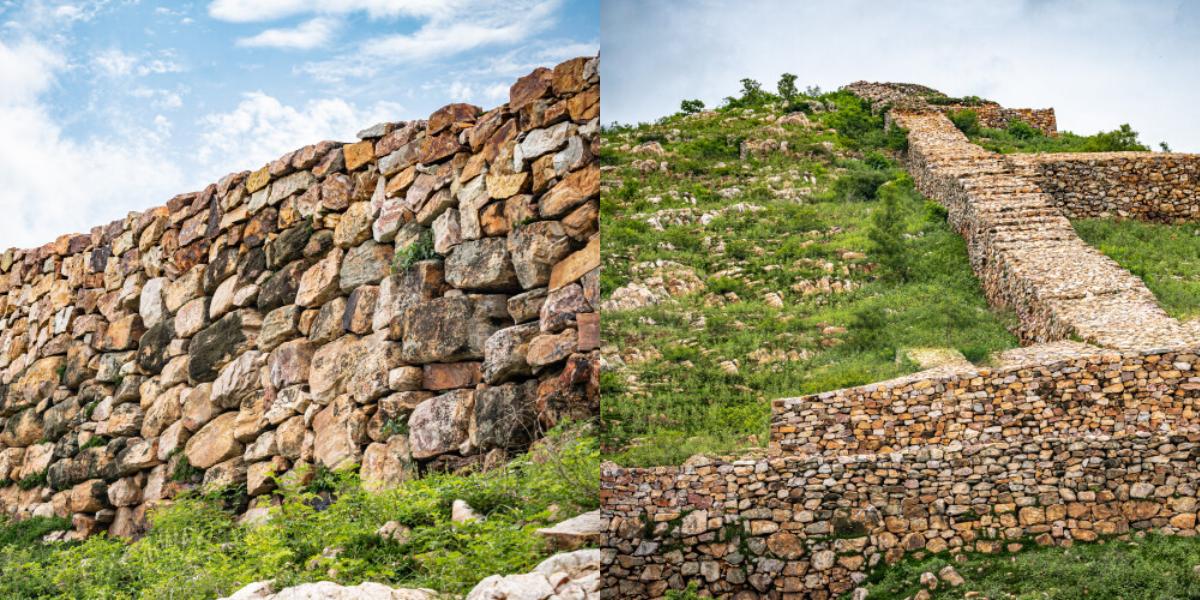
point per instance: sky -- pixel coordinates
(1097, 63)
(111, 106)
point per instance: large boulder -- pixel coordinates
(569, 575)
(239, 380)
(483, 264)
(448, 329)
(535, 248)
(504, 416)
(214, 443)
(217, 344)
(328, 590)
(340, 430)
(364, 264)
(441, 424)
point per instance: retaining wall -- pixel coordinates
(812, 527)
(1149, 186)
(420, 300)
(1111, 393)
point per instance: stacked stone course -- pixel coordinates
(1066, 442)
(994, 116)
(424, 299)
(1148, 186)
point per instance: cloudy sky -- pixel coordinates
(1098, 63)
(108, 106)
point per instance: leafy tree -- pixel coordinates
(751, 90)
(787, 86)
(691, 107)
(1164, 146)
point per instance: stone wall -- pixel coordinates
(420, 300)
(1150, 186)
(812, 527)
(1110, 393)
(1025, 251)
(994, 116)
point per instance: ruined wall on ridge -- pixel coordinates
(421, 300)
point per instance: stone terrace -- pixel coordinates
(1066, 441)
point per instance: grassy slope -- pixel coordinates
(1166, 257)
(676, 400)
(195, 549)
(1154, 567)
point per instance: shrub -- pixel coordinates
(860, 183)
(1121, 139)
(887, 233)
(1022, 130)
(966, 120)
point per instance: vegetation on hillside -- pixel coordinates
(1020, 136)
(801, 270)
(1150, 567)
(1166, 257)
(323, 531)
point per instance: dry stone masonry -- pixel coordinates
(423, 299)
(1148, 186)
(1066, 441)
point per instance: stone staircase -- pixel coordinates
(1090, 430)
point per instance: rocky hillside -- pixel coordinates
(770, 247)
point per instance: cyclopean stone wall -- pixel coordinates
(812, 527)
(1107, 392)
(421, 300)
(1149, 186)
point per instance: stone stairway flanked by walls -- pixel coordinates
(1090, 430)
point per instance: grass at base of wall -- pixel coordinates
(1166, 257)
(1150, 567)
(195, 549)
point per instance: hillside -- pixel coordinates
(768, 248)
(1063, 468)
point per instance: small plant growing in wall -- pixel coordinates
(184, 471)
(32, 481)
(421, 249)
(397, 425)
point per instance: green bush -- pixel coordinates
(860, 183)
(966, 120)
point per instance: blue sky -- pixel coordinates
(108, 106)
(1099, 63)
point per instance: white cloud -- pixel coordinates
(459, 91)
(309, 34)
(261, 128)
(54, 184)
(497, 92)
(442, 38)
(114, 62)
(249, 11)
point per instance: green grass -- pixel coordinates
(1154, 567)
(195, 549)
(1166, 257)
(666, 394)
